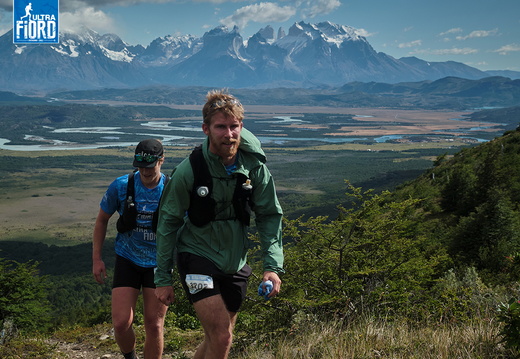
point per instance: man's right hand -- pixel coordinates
(99, 270)
(165, 294)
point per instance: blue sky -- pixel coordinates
(481, 33)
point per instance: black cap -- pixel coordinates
(149, 147)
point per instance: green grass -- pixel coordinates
(376, 338)
(366, 338)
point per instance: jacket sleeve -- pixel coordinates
(268, 219)
(173, 207)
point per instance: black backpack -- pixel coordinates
(203, 206)
(128, 220)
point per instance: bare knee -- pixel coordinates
(226, 340)
(154, 327)
(221, 339)
(122, 325)
(123, 308)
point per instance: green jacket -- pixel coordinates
(224, 242)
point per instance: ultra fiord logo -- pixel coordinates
(35, 21)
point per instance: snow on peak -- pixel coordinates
(301, 33)
(123, 55)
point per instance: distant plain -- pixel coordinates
(53, 196)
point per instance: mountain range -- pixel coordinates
(307, 56)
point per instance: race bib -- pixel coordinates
(198, 282)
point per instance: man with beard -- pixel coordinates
(205, 222)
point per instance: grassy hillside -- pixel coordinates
(439, 252)
(473, 201)
(416, 272)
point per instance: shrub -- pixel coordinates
(23, 302)
(509, 315)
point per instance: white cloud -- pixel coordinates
(410, 44)
(455, 30)
(210, 1)
(89, 17)
(452, 51)
(3, 31)
(262, 12)
(505, 50)
(78, 5)
(73, 5)
(6, 5)
(365, 33)
(478, 34)
(312, 8)
(77, 13)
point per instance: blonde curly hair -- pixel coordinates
(221, 101)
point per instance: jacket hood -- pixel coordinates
(250, 144)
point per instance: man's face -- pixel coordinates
(224, 136)
(150, 176)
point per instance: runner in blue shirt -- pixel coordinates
(135, 251)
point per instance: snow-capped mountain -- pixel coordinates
(307, 55)
(80, 61)
(169, 50)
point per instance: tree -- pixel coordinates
(489, 235)
(371, 255)
(23, 300)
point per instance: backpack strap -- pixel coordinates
(128, 220)
(155, 217)
(202, 205)
(130, 189)
(242, 201)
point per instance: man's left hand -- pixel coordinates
(277, 282)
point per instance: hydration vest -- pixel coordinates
(202, 208)
(128, 220)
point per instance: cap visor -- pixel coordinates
(144, 164)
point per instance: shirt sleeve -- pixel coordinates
(268, 219)
(174, 203)
(110, 203)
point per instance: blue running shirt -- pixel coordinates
(137, 245)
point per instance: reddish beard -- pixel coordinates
(225, 150)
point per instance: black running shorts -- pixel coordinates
(128, 274)
(232, 287)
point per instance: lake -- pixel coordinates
(297, 129)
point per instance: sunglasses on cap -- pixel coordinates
(147, 158)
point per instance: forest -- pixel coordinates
(440, 250)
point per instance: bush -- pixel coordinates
(370, 259)
(23, 302)
(509, 315)
(461, 297)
